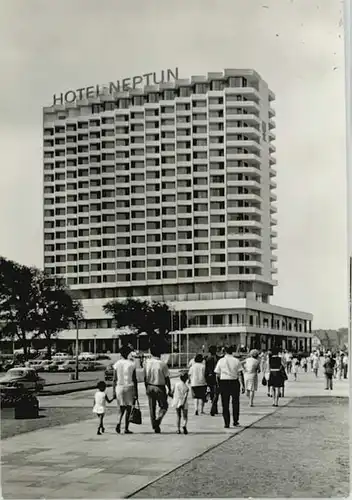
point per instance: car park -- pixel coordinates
(26, 378)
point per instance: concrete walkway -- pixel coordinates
(71, 461)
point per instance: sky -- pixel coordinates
(296, 46)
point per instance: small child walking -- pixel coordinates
(100, 399)
(180, 402)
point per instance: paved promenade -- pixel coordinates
(71, 461)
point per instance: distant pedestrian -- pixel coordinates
(316, 363)
(288, 359)
(251, 370)
(338, 366)
(277, 375)
(304, 364)
(180, 402)
(198, 384)
(125, 387)
(345, 365)
(329, 366)
(229, 372)
(156, 380)
(99, 408)
(210, 377)
(267, 374)
(294, 367)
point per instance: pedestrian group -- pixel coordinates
(207, 378)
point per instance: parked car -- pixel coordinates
(62, 356)
(97, 366)
(26, 378)
(109, 373)
(51, 366)
(7, 363)
(36, 364)
(41, 367)
(87, 356)
(70, 366)
(103, 357)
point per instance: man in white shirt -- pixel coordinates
(156, 379)
(345, 365)
(229, 372)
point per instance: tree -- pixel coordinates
(55, 308)
(152, 318)
(33, 304)
(17, 312)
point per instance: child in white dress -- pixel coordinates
(99, 408)
(180, 402)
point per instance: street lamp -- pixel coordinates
(77, 338)
(95, 344)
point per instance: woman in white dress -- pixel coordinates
(251, 370)
(125, 388)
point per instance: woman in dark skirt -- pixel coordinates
(277, 375)
(198, 384)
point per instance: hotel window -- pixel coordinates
(218, 319)
(168, 135)
(201, 259)
(153, 97)
(201, 272)
(217, 85)
(169, 95)
(169, 261)
(154, 275)
(138, 100)
(200, 116)
(169, 275)
(185, 91)
(201, 88)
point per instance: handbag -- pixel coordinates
(264, 381)
(136, 414)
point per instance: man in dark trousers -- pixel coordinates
(210, 377)
(156, 380)
(229, 373)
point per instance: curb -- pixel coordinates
(61, 392)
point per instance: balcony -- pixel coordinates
(246, 183)
(247, 118)
(244, 210)
(245, 236)
(244, 223)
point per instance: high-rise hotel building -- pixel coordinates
(168, 192)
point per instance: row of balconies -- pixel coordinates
(170, 273)
(248, 130)
(166, 146)
(105, 206)
(123, 213)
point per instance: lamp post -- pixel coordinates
(77, 338)
(348, 99)
(95, 344)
